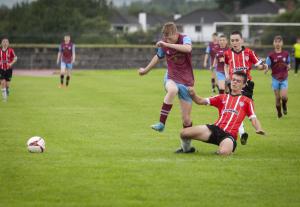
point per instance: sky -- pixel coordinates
(10, 3)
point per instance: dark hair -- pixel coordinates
(241, 74)
(223, 36)
(215, 34)
(278, 37)
(237, 33)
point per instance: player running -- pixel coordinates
(209, 57)
(279, 62)
(7, 59)
(240, 58)
(233, 108)
(66, 57)
(219, 62)
(176, 48)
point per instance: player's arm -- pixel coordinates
(269, 63)
(73, 54)
(14, 60)
(257, 126)
(226, 71)
(185, 48)
(288, 62)
(206, 56)
(197, 99)
(259, 64)
(58, 55)
(214, 62)
(152, 63)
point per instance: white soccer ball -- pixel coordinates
(36, 144)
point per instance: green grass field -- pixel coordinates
(100, 150)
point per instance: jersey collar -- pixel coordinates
(243, 48)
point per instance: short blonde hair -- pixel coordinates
(169, 28)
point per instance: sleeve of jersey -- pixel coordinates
(254, 59)
(226, 58)
(187, 40)
(160, 53)
(288, 61)
(214, 101)
(250, 110)
(207, 51)
(268, 61)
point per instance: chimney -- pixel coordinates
(143, 20)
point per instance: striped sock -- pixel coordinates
(165, 110)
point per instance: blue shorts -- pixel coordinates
(279, 85)
(220, 76)
(64, 66)
(183, 91)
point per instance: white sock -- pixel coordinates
(186, 144)
(4, 94)
(241, 129)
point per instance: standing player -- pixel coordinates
(297, 55)
(240, 58)
(176, 48)
(279, 62)
(233, 108)
(7, 60)
(209, 57)
(66, 57)
(219, 63)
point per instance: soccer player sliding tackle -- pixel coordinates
(232, 108)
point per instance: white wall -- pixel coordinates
(203, 36)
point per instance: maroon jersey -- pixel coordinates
(180, 67)
(241, 61)
(66, 50)
(220, 59)
(212, 50)
(232, 111)
(6, 57)
(279, 64)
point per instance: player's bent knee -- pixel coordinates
(184, 134)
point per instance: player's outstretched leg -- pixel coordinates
(172, 91)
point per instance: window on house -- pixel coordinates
(198, 28)
(119, 28)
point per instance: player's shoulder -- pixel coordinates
(247, 99)
(285, 52)
(247, 49)
(271, 53)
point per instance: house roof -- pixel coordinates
(122, 19)
(203, 16)
(154, 20)
(261, 8)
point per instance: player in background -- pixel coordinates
(296, 48)
(240, 58)
(7, 59)
(219, 63)
(209, 57)
(233, 108)
(66, 57)
(279, 62)
(176, 48)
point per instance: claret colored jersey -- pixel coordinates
(278, 62)
(6, 57)
(241, 61)
(232, 111)
(67, 51)
(180, 67)
(220, 59)
(212, 50)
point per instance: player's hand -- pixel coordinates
(221, 59)
(192, 91)
(266, 71)
(288, 67)
(261, 132)
(204, 65)
(160, 44)
(142, 71)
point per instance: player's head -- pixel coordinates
(214, 37)
(278, 42)
(67, 38)
(169, 32)
(238, 81)
(4, 42)
(236, 40)
(222, 41)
